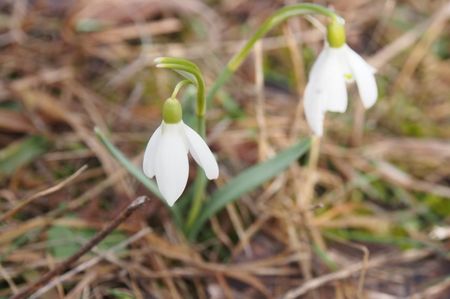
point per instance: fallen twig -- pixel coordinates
(89, 263)
(61, 268)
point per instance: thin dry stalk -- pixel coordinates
(408, 39)
(263, 145)
(84, 283)
(12, 285)
(351, 270)
(299, 242)
(169, 281)
(296, 55)
(307, 193)
(51, 266)
(224, 286)
(239, 228)
(437, 25)
(22, 204)
(18, 16)
(359, 116)
(439, 288)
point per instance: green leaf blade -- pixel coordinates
(247, 181)
(21, 153)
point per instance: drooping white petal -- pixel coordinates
(344, 67)
(201, 153)
(171, 163)
(326, 90)
(318, 64)
(314, 112)
(364, 76)
(148, 164)
(334, 82)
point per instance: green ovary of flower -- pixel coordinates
(336, 34)
(172, 112)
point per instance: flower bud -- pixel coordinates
(172, 111)
(336, 33)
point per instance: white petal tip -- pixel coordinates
(369, 101)
(171, 196)
(212, 170)
(213, 176)
(149, 173)
(171, 201)
(202, 154)
(318, 134)
(369, 106)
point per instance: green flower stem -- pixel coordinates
(201, 125)
(223, 78)
(175, 60)
(197, 201)
(200, 181)
(190, 71)
(200, 84)
(177, 88)
(278, 17)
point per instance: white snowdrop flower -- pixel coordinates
(326, 87)
(166, 155)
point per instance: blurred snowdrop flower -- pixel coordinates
(166, 155)
(336, 65)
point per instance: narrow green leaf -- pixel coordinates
(21, 153)
(248, 181)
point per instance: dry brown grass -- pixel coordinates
(377, 205)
